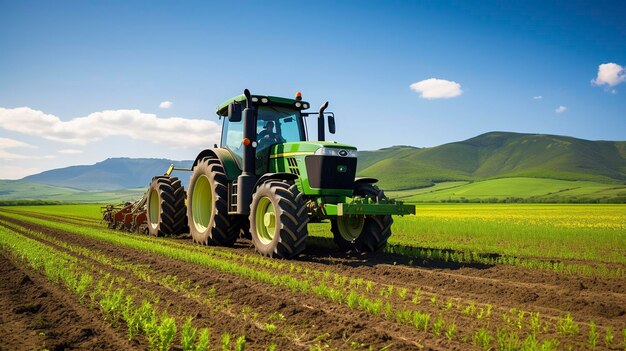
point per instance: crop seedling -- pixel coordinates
(240, 343)
(203, 340)
(420, 320)
(482, 338)
(566, 326)
(593, 335)
(225, 339)
(451, 331)
(269, 327)
(438, 325)
(608, 337)
(188, 335)
(166, 331)
(417, 296)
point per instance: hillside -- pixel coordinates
(20, 190)
(498, 155)
(110, 174)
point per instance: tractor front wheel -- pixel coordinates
(165, 206)
(278, 220)
(361, 233)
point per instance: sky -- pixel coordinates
(82, 81)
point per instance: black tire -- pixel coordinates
(209, 221)
(374, 230)
(289, 223)
(165, 206)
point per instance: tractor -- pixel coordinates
(268, 181)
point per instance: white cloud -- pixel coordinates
(134, 124)
(17, 172)
(70, 151)
(166, 104)
(6, 143)
(434, 88)
(610, 74)
(538, 97)
(560, 109)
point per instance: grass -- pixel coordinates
(530, 189)
(18, 190)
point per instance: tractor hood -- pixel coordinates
(302, 148)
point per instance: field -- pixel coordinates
(453, 277)
(530, 189)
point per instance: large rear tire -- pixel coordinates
(361, 233)
(278, 220)
(207, 209)
(165, 206)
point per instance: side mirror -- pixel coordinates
(331, 124)
(234, 112)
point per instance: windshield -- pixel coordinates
(278, 125)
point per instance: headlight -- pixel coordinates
(264, 100)
(305, 105)
(255, 99)
(298, 104)
(324, 151)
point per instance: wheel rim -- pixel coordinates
(154, 208)
(265, 220)
(350, 227)
(201, 203)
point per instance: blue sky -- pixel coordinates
(70, 72)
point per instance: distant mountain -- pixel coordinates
(110, 174)
(497, 155)
(487, 156)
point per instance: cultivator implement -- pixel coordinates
(129, 217)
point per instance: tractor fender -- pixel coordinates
(366, 180)
(226, 157)
(275, 176)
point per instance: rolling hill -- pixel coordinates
(110, 174)
(497, 155)
(492, 165)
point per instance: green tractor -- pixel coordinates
(267, 180)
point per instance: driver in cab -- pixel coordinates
(267, 136)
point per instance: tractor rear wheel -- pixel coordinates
(165, 206)
(278, 220)
(363, 233)
(207, 210)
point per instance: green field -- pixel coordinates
(528, 189)
(588, 239)
(18, 190)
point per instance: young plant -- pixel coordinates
(203, 340)
(451, 331)
(166, 332)
(608, 338)
(420, 320)
(593, 335)
(240, 343)
(566, 326)
(225, 339)
(188, 336)
(482, 338)
(438, 325)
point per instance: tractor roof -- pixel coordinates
(222, 109)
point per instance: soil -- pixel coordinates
(308, 320)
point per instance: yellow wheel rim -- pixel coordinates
(265, 220)
(201, 203)
(153, 205)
